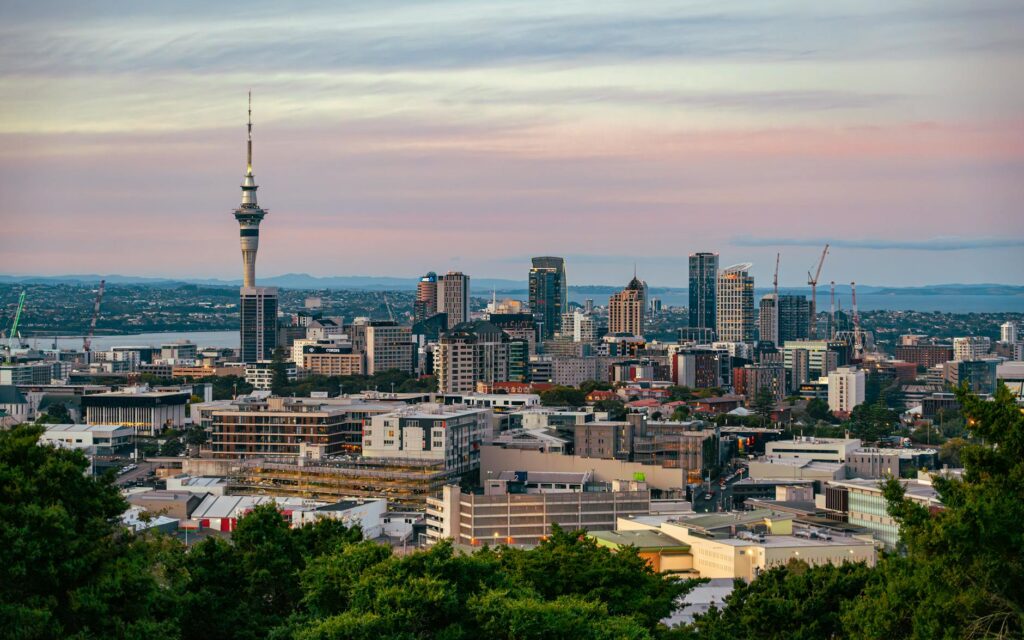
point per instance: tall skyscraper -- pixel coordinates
(453, 297)
(735, 304)
(768, 319)
(471, 352)
(794, 318)
(426, 297)
(258, 305)
(703, 288)
(548, 294)
(626, 309)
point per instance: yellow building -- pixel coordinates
(743, 544)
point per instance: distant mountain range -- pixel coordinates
(484, 286)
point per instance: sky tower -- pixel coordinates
(249, 215)
(258, 305)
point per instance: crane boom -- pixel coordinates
(813, 281)
(775, 280)
(87, 341)
(14, 327)
(832, 309)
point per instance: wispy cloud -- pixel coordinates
(933, 244)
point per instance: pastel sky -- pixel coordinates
(393, 138)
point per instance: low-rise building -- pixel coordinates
(149, 412)
(861, 502)
(817, 449)
(108, 439)
(445, 433)
(253, 426)
(745, 544)
(260, 374)
(526, 518)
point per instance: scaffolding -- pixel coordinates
(406, 482)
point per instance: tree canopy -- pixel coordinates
(70, 570)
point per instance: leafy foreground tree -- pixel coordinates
(69, 570)
(959, 574)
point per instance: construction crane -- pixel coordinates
(14, 326)
(858, 338)
(832, 310)
(87, 341)
(813, 281)
(775, 280)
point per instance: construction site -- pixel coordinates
(402, 481)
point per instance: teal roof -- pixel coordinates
(10, 394)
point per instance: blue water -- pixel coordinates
(222, 339)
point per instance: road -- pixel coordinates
(135, 474)
(721, 499)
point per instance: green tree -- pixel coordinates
(793, 601)
(818, 410)
(869, 422)
(681, 413)
(278, 365)
(680, 393)
(56, 413)
(963, 567)
(949, 452)
(616, 408)
(563, 397)
(172, 447)
(594, 385)
(67, 568)
(764, 403)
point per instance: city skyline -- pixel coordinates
(739, 131)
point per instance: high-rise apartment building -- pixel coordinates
(735, 304)
(584, 328)
(453, 297)
(388, 346)
(971, 348)
(426, 297)
(258, 305)
(469, 353)
(845, 389)
(548, 298)
(258, 313)
(1008, 332)
(813, 358)
(751, 379)
(703, 287)
(518, 326)
(626, 309)
(794, 318)
(768, 319)
(925, 355)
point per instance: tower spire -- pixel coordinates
(248, 162)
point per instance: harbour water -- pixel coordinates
(222, 339)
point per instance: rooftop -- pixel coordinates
(91, 428)
(642, 539)
(567, 477)
(712, 521)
